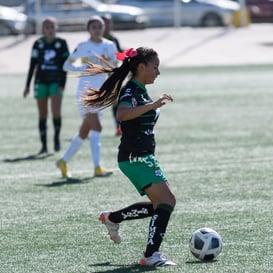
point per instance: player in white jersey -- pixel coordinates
(91, 51)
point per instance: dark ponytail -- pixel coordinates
(109, 91)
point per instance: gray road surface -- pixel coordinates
(182, 47)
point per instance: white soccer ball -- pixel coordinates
(205, 244)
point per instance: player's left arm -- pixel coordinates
(127, 112)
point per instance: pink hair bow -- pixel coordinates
(129, 53)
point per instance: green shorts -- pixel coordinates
(42, 90)
(143, 171)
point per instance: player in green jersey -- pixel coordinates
(138, 114)
(47, 58)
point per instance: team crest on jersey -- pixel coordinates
(57, 45)
(158, 172)
(41, 45)
(34, 53)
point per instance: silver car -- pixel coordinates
(73, 15)
(185, 12)
(12, 22)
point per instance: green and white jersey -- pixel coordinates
(137, 134)
(47, 59)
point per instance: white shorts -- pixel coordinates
(83, 110)
(84, 83)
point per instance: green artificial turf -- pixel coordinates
(215, 143)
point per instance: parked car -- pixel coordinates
(192, 12)
(73, 15)
(260, 10)
(12, 22)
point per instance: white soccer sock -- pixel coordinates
(74, 147)
(95, 146)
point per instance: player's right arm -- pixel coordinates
(70, 63)
(32, 66)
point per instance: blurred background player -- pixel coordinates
(47, 58)
(107, 18)
(95, 50)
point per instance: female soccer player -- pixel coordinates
(93, 50)
(47, 58)
(138, 114)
